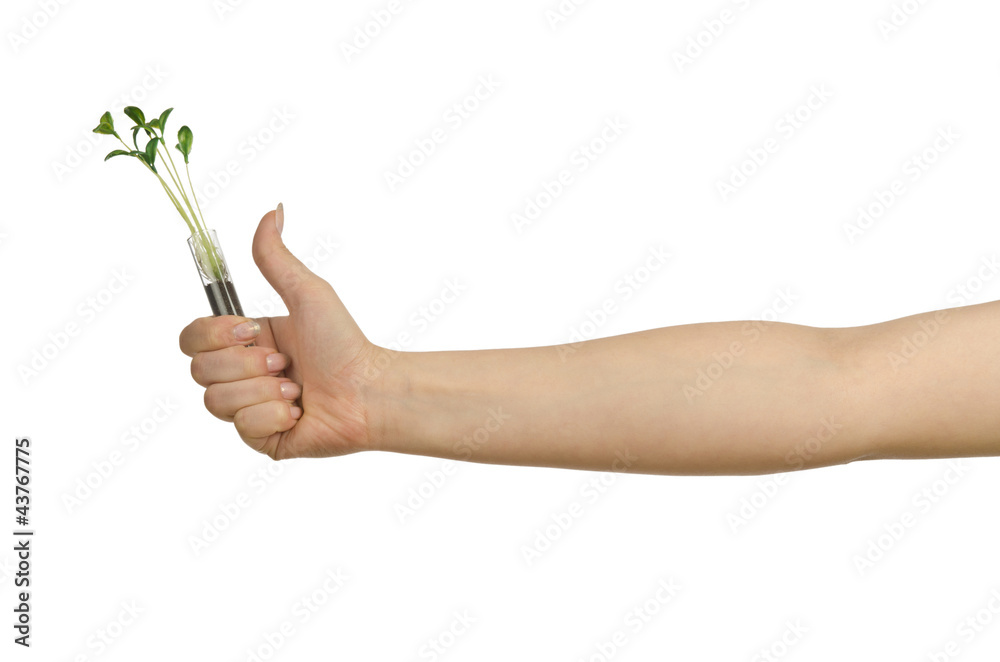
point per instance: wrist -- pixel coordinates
(427, 403)
(385, 386)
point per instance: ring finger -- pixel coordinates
(224, 399)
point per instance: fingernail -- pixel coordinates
(275, 362)
(296, 412)
(246, 330)
(279, 217)
(290, 390)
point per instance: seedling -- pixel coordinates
(203, 241)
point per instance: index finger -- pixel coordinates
(207, 334)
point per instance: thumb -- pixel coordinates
(291, 279)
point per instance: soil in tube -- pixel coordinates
(220, 294)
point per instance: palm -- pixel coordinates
(328, 352)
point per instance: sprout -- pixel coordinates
(187, 206)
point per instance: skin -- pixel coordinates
(773, 396)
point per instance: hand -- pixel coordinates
(311, 400)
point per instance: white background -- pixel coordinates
(71, 222)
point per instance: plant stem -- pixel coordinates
(177, 181)
(166, 188)
(198, 228)
(203, 236)
(174, 180)
(173, 198)
(186, 168)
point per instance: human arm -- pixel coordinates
(713, 398)
(709, 398)
(785, 397)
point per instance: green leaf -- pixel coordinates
(118, 152)
(184, 140)
(163, 119)
(107, 125)
(135, 132)
(151, 151)
(154, 123)
(145, 159)
(135, 114)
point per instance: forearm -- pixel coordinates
(665, 401)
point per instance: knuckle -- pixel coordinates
(212, 398)
(285, 416)
(279, 416)
(222, 331)
(188, 337)
(274, 412)
(194, 335)
(240, 421)
(254, 363)
(198, 369)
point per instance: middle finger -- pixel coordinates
(234, 363)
